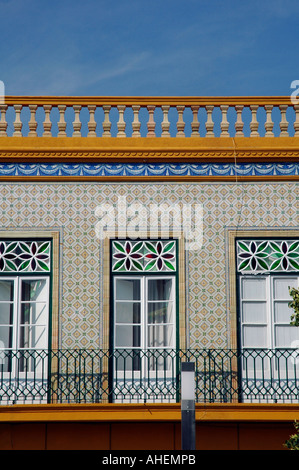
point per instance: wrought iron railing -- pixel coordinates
(98, 376)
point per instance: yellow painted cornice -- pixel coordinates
(143, 150)
(148, 100)
(150, 150)
(148, 412)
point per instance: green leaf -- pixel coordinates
(150, 247)
(263, 264)
(137, 247)
(244, 247)
(244, 264)
(43, 265)
(24, 265)
(150, 265)
(169, 265)
(262, 255)
(137, 265)
(11, 247)
(11, 265)
(119, 247)
(262, 246)
(168, 247)
(275, 265)
(44, 247)
(275, 247)
(277, 255)
(294, 246)
(118, 265)
(294, 264)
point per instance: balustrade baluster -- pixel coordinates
(92, 125)
(121, 125)
(136, 124)
(77, 123)
(106, 123)
(195, 122)
(226, 128)
(61, 123)
(18, 123)
(165, 123)
(47, 124)
(283, 123)
(269, 123)
(224, 123)
(296, 123)
(180, 122)
(151, 125)
(209, 123)
(254, 125)
(3, 122)
(32, 123)
(239, 125)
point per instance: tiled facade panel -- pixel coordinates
(70, 208)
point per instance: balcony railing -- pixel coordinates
(97, 376)
(149, 117)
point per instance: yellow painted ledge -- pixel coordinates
(142, 150)
(148, 412)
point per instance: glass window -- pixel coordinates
(265, 314)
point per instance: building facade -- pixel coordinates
(137, 233)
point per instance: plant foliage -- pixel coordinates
(294, 304)
(293, 442)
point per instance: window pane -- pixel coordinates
(160, 312)
(160, 336)
(254, 289)
(127, 336)
(285, 335)
(254, 337)
(282, 312)
(127, 289)
(33, 337)
(281, 287)
(6, 291)
(34, 290)
(5, 337)
(128, 312)
(254, 312)
(6, 313)
(160, 289)
(33, 313)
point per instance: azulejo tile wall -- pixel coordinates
(70, 208)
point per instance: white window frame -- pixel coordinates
(144, 373)
(35, 372)
(269, 300)
(268, 367)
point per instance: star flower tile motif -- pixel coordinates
(153, 256)
(268, 255)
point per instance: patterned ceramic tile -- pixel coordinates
(71, 208)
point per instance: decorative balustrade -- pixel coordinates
(149, 117)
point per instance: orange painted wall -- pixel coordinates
(141, 436)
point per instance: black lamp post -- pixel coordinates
(188, 405)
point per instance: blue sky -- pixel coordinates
(151, 48)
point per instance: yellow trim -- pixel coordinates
(149, 149)
(149, 100)
(148, 412)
